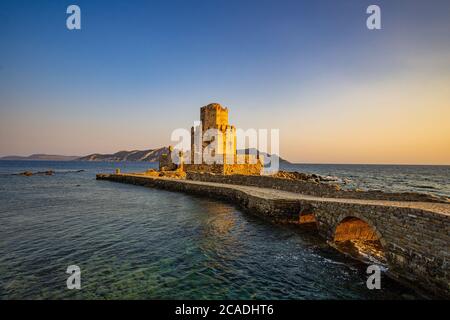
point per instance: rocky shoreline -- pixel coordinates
(312, 184)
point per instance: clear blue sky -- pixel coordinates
(139, 69)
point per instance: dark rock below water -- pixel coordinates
(29, 173)
(46, 173)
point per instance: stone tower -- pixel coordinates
(214, 151)
(214, 116)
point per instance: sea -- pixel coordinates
(132, 242)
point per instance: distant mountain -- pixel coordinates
(151, 155)
(42, 157)
(265, 154)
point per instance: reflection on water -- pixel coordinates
(133, 242)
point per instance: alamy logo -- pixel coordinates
(219, 146)
(374, 20)
(374, 280)
(73, 21)
(74, 280)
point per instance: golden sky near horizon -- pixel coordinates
(407, 123)
(397, 121)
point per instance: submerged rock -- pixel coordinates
(46, 173)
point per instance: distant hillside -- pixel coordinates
(151, 155)
(265, 154)
(42, 157)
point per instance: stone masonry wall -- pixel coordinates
(243, 169)
(210, 168)
(415, 242)
(224, 169)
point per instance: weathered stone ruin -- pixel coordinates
(216, 153)
(166, 162)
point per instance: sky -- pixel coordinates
(337, 91)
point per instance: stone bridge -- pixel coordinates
(414, 237)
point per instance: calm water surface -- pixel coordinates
(140, 243)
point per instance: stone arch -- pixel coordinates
(307, 216)
(359, 237)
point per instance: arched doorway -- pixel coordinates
(359, 239)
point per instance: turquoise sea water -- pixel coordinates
(140, 243)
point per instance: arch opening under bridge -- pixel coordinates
(307, 218)
(360, 239)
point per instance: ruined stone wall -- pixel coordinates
(224, 169)
(207, 168)
(166, 160)
(308, 187)
(243, 169)
(166, 163)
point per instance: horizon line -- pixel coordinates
(292, 163)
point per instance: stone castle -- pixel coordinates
(213, 148)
